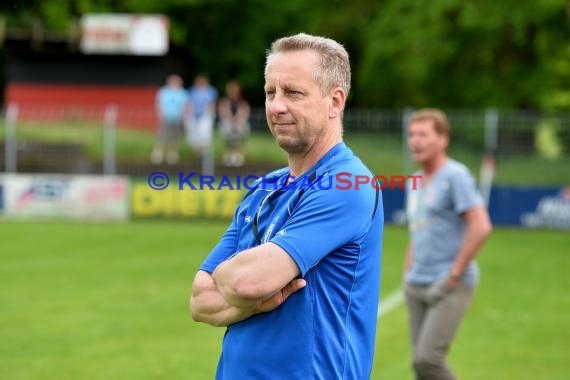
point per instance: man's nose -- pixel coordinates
(413, 141)
(276, 105)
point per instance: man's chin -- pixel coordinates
(291, 147)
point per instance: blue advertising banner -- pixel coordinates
(394, 206)
(531, 207)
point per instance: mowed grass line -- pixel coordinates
(109, 301)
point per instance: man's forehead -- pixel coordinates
(303, 60)
(286, 81)
(291, 70)
(422, 124)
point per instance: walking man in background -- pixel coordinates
(170, 103)
(296, 276)
(448, 224)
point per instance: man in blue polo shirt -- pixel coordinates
(200, 115)
(296, 276)
(170, 103)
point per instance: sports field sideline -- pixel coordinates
(109, 301)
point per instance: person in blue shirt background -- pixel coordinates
(200, 115)
(448, 224)
(296, 276)
(170, 104)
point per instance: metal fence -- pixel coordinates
(533, 146)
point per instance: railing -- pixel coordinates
(533, 146)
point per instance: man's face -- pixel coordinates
(424, 142)
(296, 111)
(201, 81)
(233, 91)
(174, 81)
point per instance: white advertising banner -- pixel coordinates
(66, 196)
(124, 34)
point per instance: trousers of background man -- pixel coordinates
(435, 312)
(199, 133)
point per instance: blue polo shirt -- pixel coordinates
(200, 98)
(171, 102)
(333, 232)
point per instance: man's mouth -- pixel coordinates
(282, 125)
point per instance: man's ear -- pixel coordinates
(338, 99)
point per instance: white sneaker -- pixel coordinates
(238, 159)
(172, 158)
(156, 157)
(227, 159)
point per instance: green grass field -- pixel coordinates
(109, 301)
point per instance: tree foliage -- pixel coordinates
(449, 53)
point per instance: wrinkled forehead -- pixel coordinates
(291, 66)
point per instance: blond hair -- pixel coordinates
(334, 65)
(440, 122)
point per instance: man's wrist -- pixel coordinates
(454, 276)
(453, 279)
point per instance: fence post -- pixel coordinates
(406, 159)
(109, 140)
(489, 160)
(10, 141)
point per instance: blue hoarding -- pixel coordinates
(533, 207)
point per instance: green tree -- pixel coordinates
(449, 53)
(466, 54)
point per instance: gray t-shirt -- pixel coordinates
(436, 224)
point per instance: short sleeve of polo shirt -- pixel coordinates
(225, 248)
(323, 221)
(464, 191)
